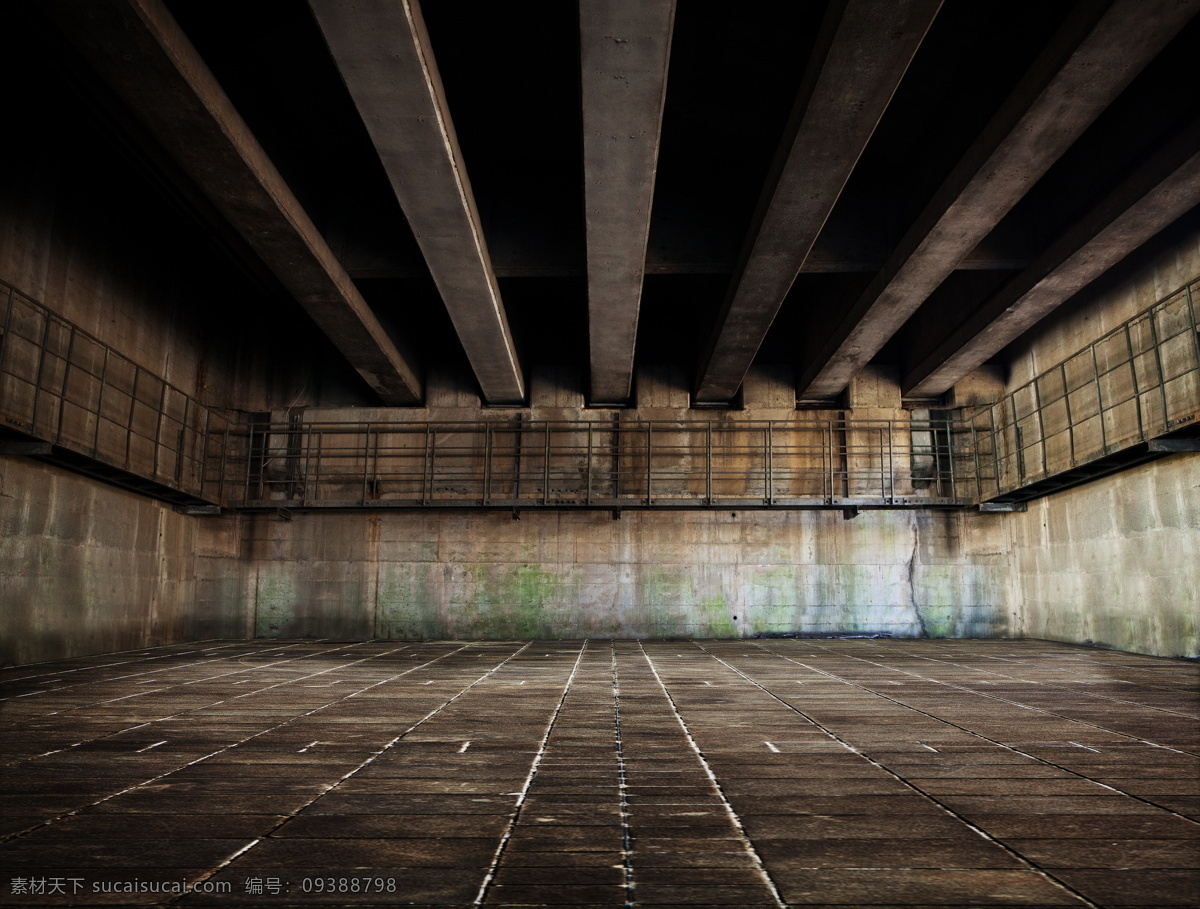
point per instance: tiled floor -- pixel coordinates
(736, 773)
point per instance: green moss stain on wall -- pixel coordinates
(676, 604)
(513, 600)
(275, 607)
(405, 608)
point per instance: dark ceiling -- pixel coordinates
(734, 96)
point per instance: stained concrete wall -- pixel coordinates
(648, 574)
(90, 234)
(1115, 562)
(88, 568)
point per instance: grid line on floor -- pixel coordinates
(637, 774)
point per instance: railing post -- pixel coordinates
(319, 438)
(162, 406)
(308, 443)
(249, 462)
(427, 473)
(182, 453)
(518, 445)
(950, 460)
(37, 388)
(1133, 374)
(769, 471)
(487, 463)
(366, 461)
(100, 403)
(589, 462)
(1062, 371)
(1099, 399)
(546, 467)
(1037, 398)
(224, 462)
(137, 374)
(891, 458)
(7, 328)
(882, 464)
(62, 398)
(1162, 379)
(649, 460)
(995, 445)
(708, 463)
(1195, 323)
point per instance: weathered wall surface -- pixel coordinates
(87, 568)
(1104, 307)
(573, 574)
(1115, 562)
(85, 231)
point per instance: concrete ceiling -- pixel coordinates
(914, 183)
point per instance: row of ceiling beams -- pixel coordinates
(383, 53)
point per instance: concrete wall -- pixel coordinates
(88, 233)
(573, 574)
(88, 568)
(1115, 562)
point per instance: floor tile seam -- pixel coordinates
(209, 679)
(223, 643)
(365, 763)
(1030, 864)
(191, 710)
(490, 874)
(626, 837)
(978, 694)
(742, 837)
(132, 675)
(1181, 663)
(999, 744)
(1058, 687)
(23, 833)
(1158, 687)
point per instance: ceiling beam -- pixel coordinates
(1097, 52)
(862, 53)
(1164, 188)
(140, 51)
(625, 46)
(384, 55)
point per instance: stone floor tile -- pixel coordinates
(395, 826)
(1085, 826)
(299, 854)
(687, 894)
(432, 807)
(555, 895)
(1110, 853)
(924, 887)
(557, 858)
(909, 853)
(1135, 888)
(515, 875)
(851, 826)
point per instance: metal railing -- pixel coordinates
(61, 385)
(598, 464)
(1138, 382)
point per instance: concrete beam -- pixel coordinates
(863, 51)
(1091, 59)
(138, 48)
(383, 53)
(624, 49)
(1165, 187)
